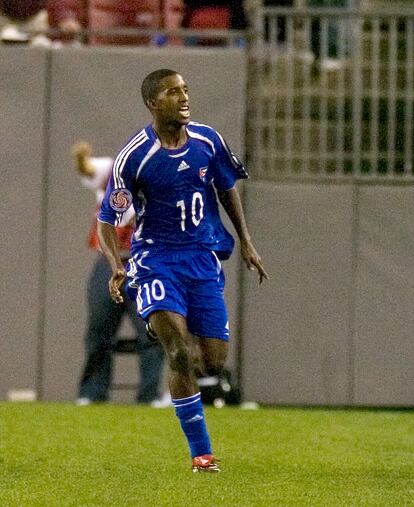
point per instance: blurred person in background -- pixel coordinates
(104, 315)
(144, 14)
(70, 17)
(23, 21)
(73, 16)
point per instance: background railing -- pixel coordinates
(331, 94)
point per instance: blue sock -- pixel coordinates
(191, 415)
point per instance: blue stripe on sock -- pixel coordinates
(183, 401)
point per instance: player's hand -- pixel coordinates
(115, 283)
(253, 260)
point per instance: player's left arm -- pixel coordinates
(227, 169)
(231, 202)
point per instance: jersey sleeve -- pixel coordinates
(227, 167)
(119, 190)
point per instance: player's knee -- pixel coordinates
(180, 359)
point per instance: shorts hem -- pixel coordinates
(211, 336)
(145, 314)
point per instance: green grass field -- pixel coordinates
(61, 455)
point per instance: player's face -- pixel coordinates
(171, 103)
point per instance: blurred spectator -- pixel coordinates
(23, 21)
(69, 16)
(149, 14)
(104, 315)
(213, 15)
(72, 16)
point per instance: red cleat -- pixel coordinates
(205, 463)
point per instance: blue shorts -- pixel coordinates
(190, 283)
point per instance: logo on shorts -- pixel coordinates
(120, 199)
(202, 173)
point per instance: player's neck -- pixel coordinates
(171, 137)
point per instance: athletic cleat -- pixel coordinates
(151, 334)
(205, 463)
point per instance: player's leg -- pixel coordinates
(171, 328)
(158, 283)
(207, 319)
(214, 354)
(182, 356)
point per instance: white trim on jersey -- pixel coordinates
(197, 124)
(217, 261)
(137, 233)
(202, 138)
(180, 154)
(156, 146)
(120, 161)
(123, 155)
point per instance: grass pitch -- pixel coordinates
(58, 455)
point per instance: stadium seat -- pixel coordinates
(209, 18)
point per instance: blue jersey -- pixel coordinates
(173, 191)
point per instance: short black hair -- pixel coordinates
(150, 85)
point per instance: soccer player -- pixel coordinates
(171, 172)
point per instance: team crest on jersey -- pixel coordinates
(202, 173)
(120, 199)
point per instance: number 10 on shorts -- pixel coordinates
(148, 293)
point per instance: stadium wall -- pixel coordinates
(332, 327)
(23, 157)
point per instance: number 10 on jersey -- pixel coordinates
(197, 210)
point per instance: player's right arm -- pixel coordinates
(117, 200)
(109, 244)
